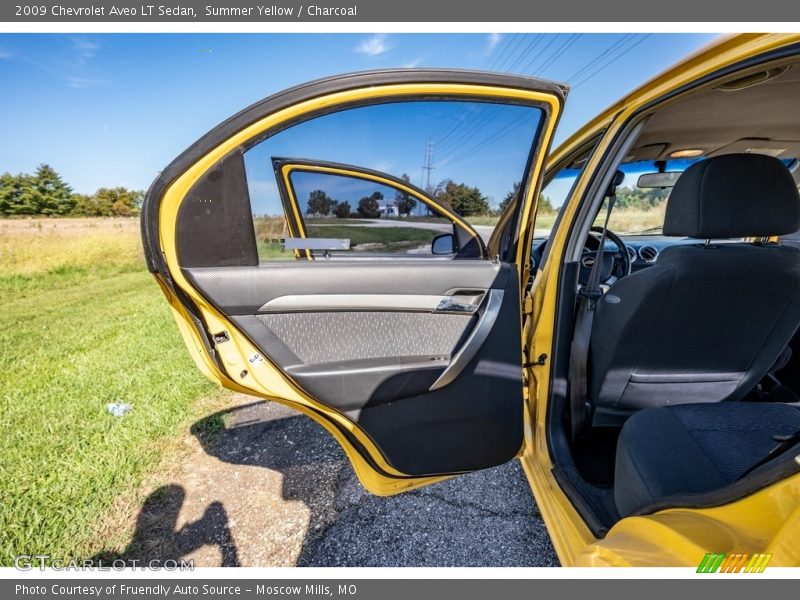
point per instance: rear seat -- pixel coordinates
(694, 448)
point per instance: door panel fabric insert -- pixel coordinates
(340, 336)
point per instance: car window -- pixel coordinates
(466, 155)
(640, 206)
(553, 197)
(369, 216)
(641, 201)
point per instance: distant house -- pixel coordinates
(387, 209)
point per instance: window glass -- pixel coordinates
(465, 154)
(371, 216)
(641, 203)
(552, 198)
(640, 208)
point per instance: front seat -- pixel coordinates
(679, 452)
(707, 321)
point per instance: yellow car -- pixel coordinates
(625, 326)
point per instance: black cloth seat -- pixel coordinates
(706, 322)
(694, 448)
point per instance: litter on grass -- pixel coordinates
(119, 409)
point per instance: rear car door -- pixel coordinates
(363, 300)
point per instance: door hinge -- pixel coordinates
(527, 305)
(538, 362)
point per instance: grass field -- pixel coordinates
(83, 324)
(375, 239)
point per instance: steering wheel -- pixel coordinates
(616, 263)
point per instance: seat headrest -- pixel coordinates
(733, 196)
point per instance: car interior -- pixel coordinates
(677, 374)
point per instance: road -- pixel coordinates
(485, 231)
(272, 488)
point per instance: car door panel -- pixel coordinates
(376, 360)
(413, 364)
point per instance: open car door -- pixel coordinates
(347, 292)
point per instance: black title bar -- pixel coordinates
(493, 11)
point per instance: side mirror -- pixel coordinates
(443, 244)
(658, 180)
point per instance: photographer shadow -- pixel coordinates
(157, 538)
(270, 436)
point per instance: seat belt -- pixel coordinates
(786, 443)
(579, 404)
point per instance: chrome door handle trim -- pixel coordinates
(493, 302)
(352, 303)
(460, 303)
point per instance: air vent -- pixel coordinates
(648, 253)
(631, 253)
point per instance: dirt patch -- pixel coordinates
(261, 485)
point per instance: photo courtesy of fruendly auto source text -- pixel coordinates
(373, 299)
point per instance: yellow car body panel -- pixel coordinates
(767, 521)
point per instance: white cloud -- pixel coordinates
(492, 40)
(82, 83)
(374, 46)
(85, 49)
(4, 55)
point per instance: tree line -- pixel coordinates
(368, 207)
(45, 193)
(641, 198)
(463, 199)
(544, 207)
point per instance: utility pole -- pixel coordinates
(428, 166)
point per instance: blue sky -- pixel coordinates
(113, 109)
(483, 145)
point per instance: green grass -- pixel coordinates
(76, 336)
(390, 239)
(268, 251)
(483, 220)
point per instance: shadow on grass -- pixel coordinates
(270, 436)
(157, 537)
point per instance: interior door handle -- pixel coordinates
(492, 303)
(460, 303)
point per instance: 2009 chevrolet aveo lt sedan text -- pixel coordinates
(644, 366)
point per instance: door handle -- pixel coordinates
(492, 303)
(460, 303)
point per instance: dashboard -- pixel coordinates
(643, 250)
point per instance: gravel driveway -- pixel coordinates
(271, 488)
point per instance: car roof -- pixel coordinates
(721, 52)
